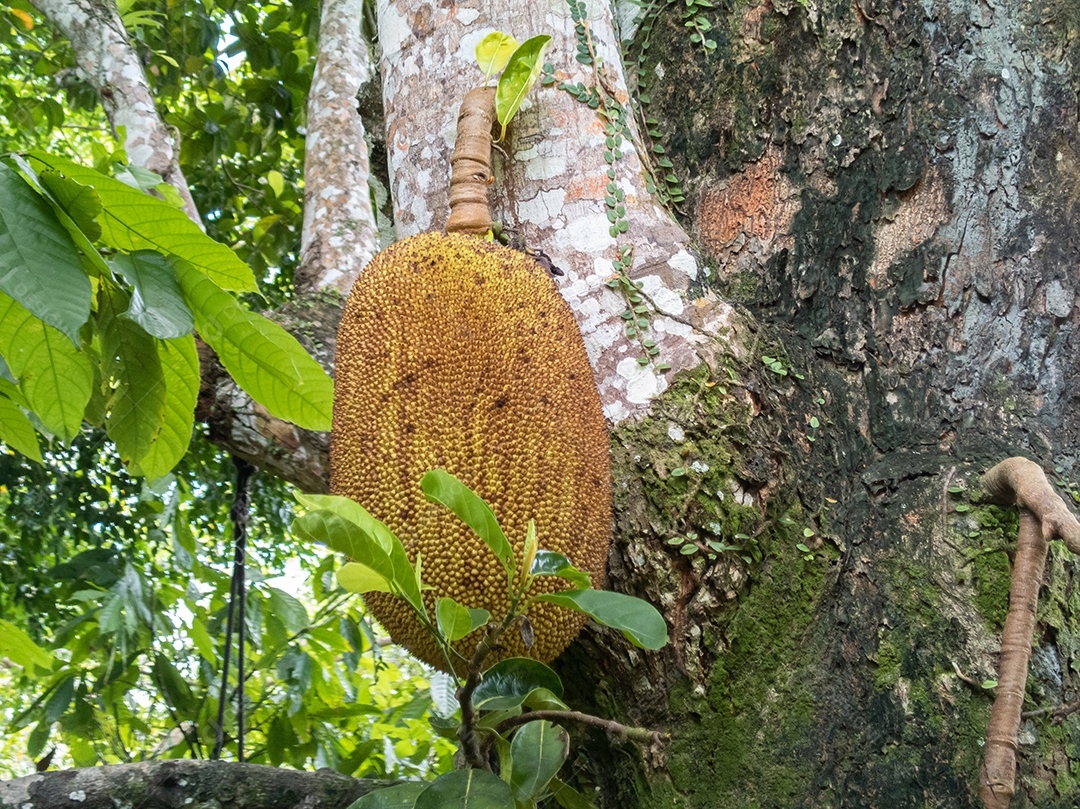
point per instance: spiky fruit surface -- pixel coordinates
(457, 353)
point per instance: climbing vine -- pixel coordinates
(599, 95)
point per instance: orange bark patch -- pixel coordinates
(587, 186)
(757, 202)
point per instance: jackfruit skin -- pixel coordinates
(457, 353)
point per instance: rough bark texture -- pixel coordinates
(890, 188)
(183, 785)
(339, 235)
(112, 66)
(552, 192)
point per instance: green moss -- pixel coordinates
(992, 580)
(748, 746)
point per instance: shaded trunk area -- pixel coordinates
(892, 190)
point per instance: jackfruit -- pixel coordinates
(457, 353)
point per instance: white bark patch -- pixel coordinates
(339, 233)
(106, 59)
(555, 179)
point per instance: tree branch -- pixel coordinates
(106, 59)
(642, 735)
(339, 235)
(179, 783)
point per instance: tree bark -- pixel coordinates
(112, 67)
(339, 235)
(176, 784)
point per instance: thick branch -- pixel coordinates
(339, 235)
(180, 783)
(1043, 517)
(107, 60)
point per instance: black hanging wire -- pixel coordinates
(237, 595)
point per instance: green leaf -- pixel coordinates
(550, 563)
(264, 359)
(17, 431)
(521, 73)
(441, 487)
(130, 359)
(288, 609)
(59, 700)
(362, 543)
(54, 376)
(507, 684)
(39, 263)
(81, 204)
(276, 182)
(200, 637)
(174, 687)
(538, 750)
(132, 220)
(180, 371)
(637, 619)
(17, 646)
(493, 52)
(399, 796)
(360, 579)
(466, 789)
(540, 699)
(567, 797)
(157, 303)
(456, 621)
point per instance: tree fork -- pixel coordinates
(1043, 517)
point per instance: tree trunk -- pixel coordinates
(891, 188)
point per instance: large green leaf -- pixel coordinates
(517, 79)
(466, 789)
(132, 220)
(538, 750)
(358, 543)
(637, 619)
(17, 431)
(399, 796)
(130, 359)
(39, 263)
(180, 370)
(441, 487)
(361, 579)
(157, 304)
(54, 376)
(352, 511)
(506, 684)
(17, 646)
(263, 358)
(81, 204)
(550, 563)
(456, 621)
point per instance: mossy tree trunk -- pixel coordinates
(891, 191)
